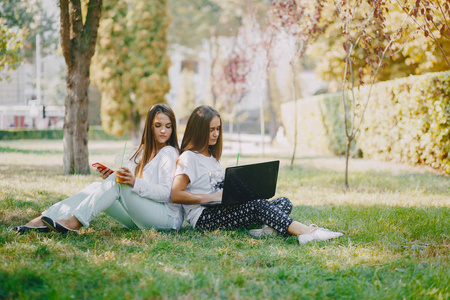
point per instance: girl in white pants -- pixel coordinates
(141, 200)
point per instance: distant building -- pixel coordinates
(19, 106)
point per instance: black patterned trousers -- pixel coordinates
(274, 213)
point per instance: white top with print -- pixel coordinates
(199, 168)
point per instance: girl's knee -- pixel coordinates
(287, 205)
(285, 200)
(282, 202)
(261, 204)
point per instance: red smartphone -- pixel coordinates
(99, 165)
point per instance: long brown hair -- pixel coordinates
(196, 136)
(148, 142)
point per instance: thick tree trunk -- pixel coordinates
(78, 46)
(76, 126)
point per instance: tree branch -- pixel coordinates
(76, 20)
(378, 69)
(437, 42)
(65, 31)
(344, 104)
(424, 30)
(91, 25)
(352, 89)
(443, 13)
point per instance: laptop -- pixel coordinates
(248, 182)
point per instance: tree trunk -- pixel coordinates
(347, 157)
(135, 137)
(231, 119)
(78, 46)
(213, 55)
(294, 95)
(76, 126)
(135, 132)
(262, 125)
(273, 122)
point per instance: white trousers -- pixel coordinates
(116, 200)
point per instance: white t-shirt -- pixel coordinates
(200, 169)
(157, 179)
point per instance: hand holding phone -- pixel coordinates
(102, 167)
(102, 170)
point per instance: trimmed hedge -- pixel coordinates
(320, 124)
(18, 134)
(407, 120)
(95, 133)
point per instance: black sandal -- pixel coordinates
(55, 226)
(24, 229)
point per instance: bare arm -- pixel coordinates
(179, 194)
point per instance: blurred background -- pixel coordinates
(252, 60)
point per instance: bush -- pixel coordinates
(19, 134)
(320, 121)
(407, 120)
(95, 133)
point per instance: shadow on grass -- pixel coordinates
(35, 173)
(29, 151)
(30, 171)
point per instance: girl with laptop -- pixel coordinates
(140, 200)
(196, 182)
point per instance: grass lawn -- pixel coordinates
(396, 221)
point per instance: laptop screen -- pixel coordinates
(249, 182)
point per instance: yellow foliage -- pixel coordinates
(125, 63)
(412, 53)
(117, 28)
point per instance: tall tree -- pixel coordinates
(78, 39)
(362, 25)
(131, 64)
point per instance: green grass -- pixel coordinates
(396, 221)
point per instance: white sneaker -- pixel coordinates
(320, 234)
(264, 231)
